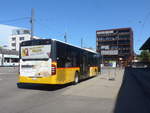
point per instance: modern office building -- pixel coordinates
(115, 45)
(19, 35)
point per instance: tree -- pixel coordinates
(145, 56)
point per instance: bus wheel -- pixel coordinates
(19, 85)
(76, 78)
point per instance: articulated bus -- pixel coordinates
(49, 61)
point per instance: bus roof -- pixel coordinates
(86, 49)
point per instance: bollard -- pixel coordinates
(112, 75)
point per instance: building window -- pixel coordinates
(13, 44)
(18, 32)
(26, 32)
(13, 38)
(21, 38)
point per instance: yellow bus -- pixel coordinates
(49, 61)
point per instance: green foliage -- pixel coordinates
(145, 56)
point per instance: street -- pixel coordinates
(95, 95)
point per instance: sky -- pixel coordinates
(79, 18)
(5, 32)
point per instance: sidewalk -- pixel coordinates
(98, 87)
(108, 73)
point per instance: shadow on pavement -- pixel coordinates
(87, 79)
(134, 94)
(44, 87)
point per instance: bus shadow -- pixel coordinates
(48, 87)
(43, 87)
(85, 79)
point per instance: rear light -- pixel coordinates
(53, 69)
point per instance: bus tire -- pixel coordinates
(19, 85)
(76, 78)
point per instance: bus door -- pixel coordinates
(84, 67)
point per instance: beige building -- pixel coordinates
(19, 35)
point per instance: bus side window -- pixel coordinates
(61, 54)
(68, 62)
(74, 58)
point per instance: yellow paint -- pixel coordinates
(63, 76)
(42, 80)
(93, 71)
(66, 75)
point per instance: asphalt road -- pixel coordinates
(96, 95)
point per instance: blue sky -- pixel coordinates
(80, 18)
(5, 32)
